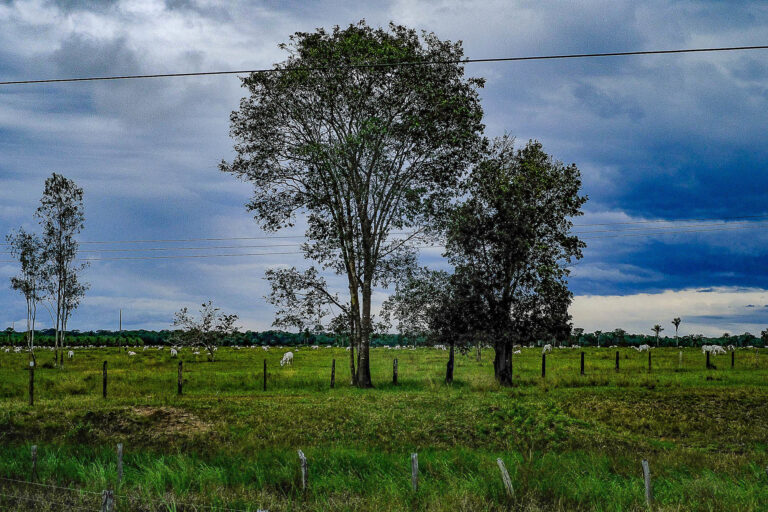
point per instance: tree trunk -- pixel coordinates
(478, 353)
(449, 366)
(363, 366)
(502, 364)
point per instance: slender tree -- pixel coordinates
(206, 332)
(510, 240)
(30, 282)
(618, 336)
(360, 145)
(657, 329)
(61, 215)
(676, 323)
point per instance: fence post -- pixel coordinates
(33, 476)
(647, 478)
(31, 383)
(708, 365)
(394, 372)
(304, 475)
(265, 374)
(543, 364)
(333, 373)
(733, 357)
(180, 382)
(119, 463)
(649, 360)
(415, 471)
(617, 360)
(107, 501)
(582, 363)
(680, 359)
(104, 380)
(505, 477)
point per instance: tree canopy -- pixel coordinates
(360, 146)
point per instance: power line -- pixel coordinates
(675, 220)
(386, 65)
(99, 251)
(220, 239)
(672, 228)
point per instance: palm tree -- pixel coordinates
(657, 329)
(676, 323)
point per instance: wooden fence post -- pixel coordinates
(582, 363)
(415, 471)
(33, 474)
(505, 478)
(31, 383)
(107, 501)
(119, 463)
(680, 359)
(708, 365)
(617, 360)
(394, 372)
(733, 357)
(333, 373)
(304, 474)
(265, 374)
(180, 379)
(543, 364)
(647, 479)
(104, 380)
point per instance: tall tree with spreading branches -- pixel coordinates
(62, 217)
(511, 240)
(363, 147)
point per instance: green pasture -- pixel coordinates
(570, 442)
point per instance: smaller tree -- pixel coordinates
(207, 332)
(657, 329)
(676, 323)
(28, 248)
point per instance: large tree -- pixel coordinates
(61, 215)
(30, 282)
(511, 240)
(366, 132)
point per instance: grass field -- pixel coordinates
(570, 442)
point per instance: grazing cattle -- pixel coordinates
(712, 349)
(315, 347)
(547, 348)
(131, 353)
(287, 359)
(174, 352)
(70, 354)
(642, 348)
(265, 348)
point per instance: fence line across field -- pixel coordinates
(109, 502)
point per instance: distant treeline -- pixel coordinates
(103, 338)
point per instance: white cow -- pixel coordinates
(315, 347)
(131, 353)
(70, 354)
(265, 348)
(174, 352)
(547, 348)
(642, 348)
(287, 359)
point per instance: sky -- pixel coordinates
(658, 139)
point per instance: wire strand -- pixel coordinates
(387, 65)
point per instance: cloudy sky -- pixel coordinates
(660, 140)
